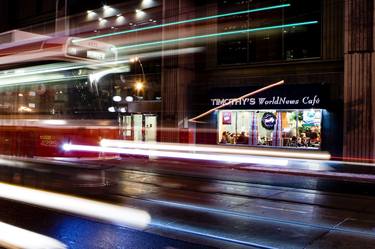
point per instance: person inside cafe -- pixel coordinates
(242, 138)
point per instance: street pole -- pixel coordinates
(58, 18)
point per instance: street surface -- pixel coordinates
(195, 205)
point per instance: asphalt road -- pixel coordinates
(194, 206)
(79, 233)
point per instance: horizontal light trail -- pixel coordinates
(15, 237)
(212, 149)
(237, 99)
(180, 155)
(58, 67)
(39, 79)
(123, 216)
(183, 22)
(228, 33)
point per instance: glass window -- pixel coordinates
(289, 43)
(296, 128)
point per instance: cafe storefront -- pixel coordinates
(289, 116)
(278, 128)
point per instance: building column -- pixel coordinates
(359, 80)
(176, 75)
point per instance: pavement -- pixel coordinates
(209, 206)
(79, 233)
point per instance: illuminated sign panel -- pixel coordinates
(93, 50)
(97, 55)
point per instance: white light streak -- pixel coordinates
(181, 155)
(15, 237)
(58, 67)
(54, 122)
(214, 149)
(123, 216)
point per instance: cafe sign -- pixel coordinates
(307, 101)
(268, 120)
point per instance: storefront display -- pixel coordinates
(277, 128)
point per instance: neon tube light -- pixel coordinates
(180, 155)
(189, 38)
(184, 22)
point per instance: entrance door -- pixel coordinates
(127, 127)
(138, 125)
(150, 128)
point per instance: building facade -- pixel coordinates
(308, 58)
(322, 50)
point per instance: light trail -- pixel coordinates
(124, 216)
(39, 79)
(179, 155)
(213, 149)
(197, 37)
(60, 67)
(183, 22)
(237, 99)
(15, 237)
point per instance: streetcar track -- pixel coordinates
(244, 183)
(254, 196)
(249, 198)
(333, 227)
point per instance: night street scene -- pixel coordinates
(187, 124)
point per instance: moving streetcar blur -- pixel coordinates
(50, 94)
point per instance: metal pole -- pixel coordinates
(56, 16)
(66, 23)
(143, 71)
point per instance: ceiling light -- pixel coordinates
(139, 13)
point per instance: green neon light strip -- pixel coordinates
(183, 22)
(215, 35)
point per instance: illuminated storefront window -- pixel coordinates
(277, 128)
